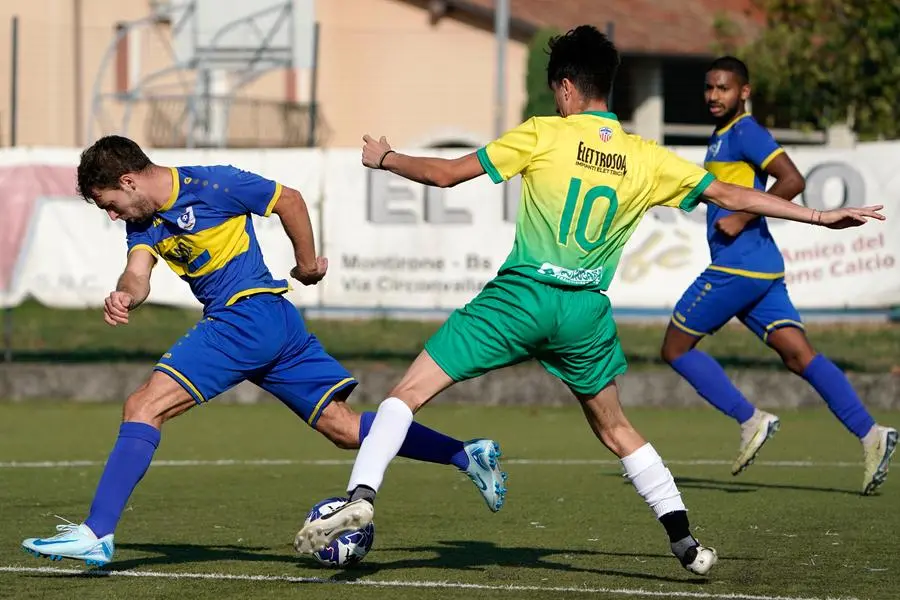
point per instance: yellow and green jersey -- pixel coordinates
(585, 186)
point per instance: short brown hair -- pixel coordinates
(106, 161)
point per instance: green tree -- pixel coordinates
(821, 62)
(540, 99)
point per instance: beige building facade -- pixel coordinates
(384, 67)
(422, 72)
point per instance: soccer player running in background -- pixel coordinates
(746, 280)
(198, 219)
(585, 186)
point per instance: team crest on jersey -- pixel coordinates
(606, 134)
(187, 220)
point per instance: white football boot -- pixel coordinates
(754, 433)
(73, 541)
(484, 471)
(878, 447)
(319, 533)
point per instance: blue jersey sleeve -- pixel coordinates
(758, 147)
(137, 236)
(247, 192)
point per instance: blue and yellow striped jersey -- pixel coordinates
(205, 233)
(739, 153)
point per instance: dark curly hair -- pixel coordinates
(587, 58)
(106, 161)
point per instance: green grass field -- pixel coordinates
(792, 526)
(42, 334)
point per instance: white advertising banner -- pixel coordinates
(394, 244)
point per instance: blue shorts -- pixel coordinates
(263, 339)
(762, 305)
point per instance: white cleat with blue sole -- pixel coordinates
(76, 542)
(484, 471)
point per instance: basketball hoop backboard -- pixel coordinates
(241, 35)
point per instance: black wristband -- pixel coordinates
(383, 156)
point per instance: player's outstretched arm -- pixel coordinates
(132, 288)
(737, 198)
(789, 183)
(438, 172)
(294, 214)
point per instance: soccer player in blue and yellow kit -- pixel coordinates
(586, 184)
(746, 280)
(198, 219)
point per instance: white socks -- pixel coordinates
(387, 434)
(652, 480)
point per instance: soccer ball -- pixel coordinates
(349, 548)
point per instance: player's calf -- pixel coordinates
(676, 344)
(424, 380)
(650, 477)
(340, 425)
(793, 348)
(609, 423)
(159, 399)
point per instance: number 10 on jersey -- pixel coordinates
(591, 196)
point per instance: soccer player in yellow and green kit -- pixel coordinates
(585, 186)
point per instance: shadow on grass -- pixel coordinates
(168, 554)
(460, 555)
(742, 487)
(470, 555)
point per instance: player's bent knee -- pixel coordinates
(156, 401)
(424, 380)
(413, 396)
(622, 439)
(676, 344)
(794, 349)
(796, 362)
(340, 425)
(669, 354)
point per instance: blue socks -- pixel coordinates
(127, 463)
(709, 379)
(839, 395)
(137, 442)
(423, 444)
(711, 382)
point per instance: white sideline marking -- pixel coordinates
(402, 584)
(265, 462)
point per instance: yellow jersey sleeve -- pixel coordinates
(678, 183)
(510, 154)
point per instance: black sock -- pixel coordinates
(363, 492)
(683, 544)
(676, 524)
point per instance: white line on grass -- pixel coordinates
(265, 462)
(401, 584)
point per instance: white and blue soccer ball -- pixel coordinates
(349, 548)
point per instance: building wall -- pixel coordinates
(385, 68)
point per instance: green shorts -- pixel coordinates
(515, 318)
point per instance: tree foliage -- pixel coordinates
(821, 62)
(540, 101)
